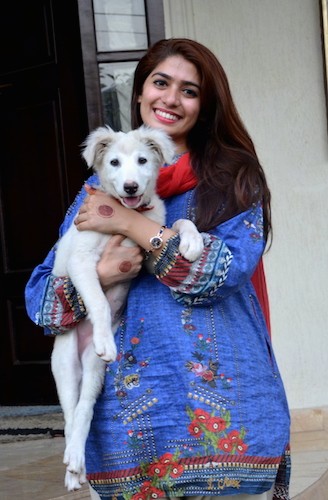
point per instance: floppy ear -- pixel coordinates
(159, 142)
(96, 144)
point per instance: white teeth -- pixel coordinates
(168, 116)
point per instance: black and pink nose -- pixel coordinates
(131, 187)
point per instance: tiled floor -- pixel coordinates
(309, 463)
(309, 444)
(32, 470)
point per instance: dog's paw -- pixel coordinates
(105, 347)
(74, 460)
(191, 247)
(191, 241)
(73, 481)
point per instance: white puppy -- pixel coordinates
(127, 166)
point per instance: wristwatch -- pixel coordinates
(156, 242)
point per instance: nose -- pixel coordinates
(130, 187)
(171, 97)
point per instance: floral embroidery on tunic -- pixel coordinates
(134, 439)
(255, 226)
(212, 432)
(128, 362)
(161, 474)
(203, 366)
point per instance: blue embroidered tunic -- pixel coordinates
(194, 403)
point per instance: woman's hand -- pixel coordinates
(101, 213)
(118, 263)
(104, 214)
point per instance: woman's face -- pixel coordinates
(170, 99)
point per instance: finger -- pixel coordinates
(89, 189)
(78, 221)
(116, 240)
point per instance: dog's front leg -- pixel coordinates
(191, 241)
(83, 273)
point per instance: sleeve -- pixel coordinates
(53, 302)
(231, 254)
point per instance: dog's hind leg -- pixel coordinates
(91, 385)
(67, 372)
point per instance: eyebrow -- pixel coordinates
(184, 82)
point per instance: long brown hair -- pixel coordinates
(222, 153)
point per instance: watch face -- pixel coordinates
(156, 242)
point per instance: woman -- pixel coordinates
(194, 404)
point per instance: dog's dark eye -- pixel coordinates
(142, 160)
(115, 162)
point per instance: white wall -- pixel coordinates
(272, 54)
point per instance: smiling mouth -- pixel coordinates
(131, 201)
(166, 115)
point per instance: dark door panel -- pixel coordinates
(33, 190)
(42, 123)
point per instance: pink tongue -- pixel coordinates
(132, 201)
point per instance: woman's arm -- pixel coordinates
(231, 253)
(44, 293)
(53, 302)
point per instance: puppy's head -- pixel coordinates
(128, 164)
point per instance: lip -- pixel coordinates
(131, 201)
(166, 116)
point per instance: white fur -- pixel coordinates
(127, 166)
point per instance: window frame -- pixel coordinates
(91, 58)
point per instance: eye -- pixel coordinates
(160, 83)
(142, 160)
(115, 162)
(190, 93)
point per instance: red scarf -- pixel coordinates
(179, 178)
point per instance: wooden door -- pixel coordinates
(42, 123)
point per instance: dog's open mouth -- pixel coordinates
(131, 201)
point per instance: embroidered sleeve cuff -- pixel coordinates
(62, 306)
(199, 282)
(167, 258)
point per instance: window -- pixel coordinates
(120, 25)
(115, 34)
